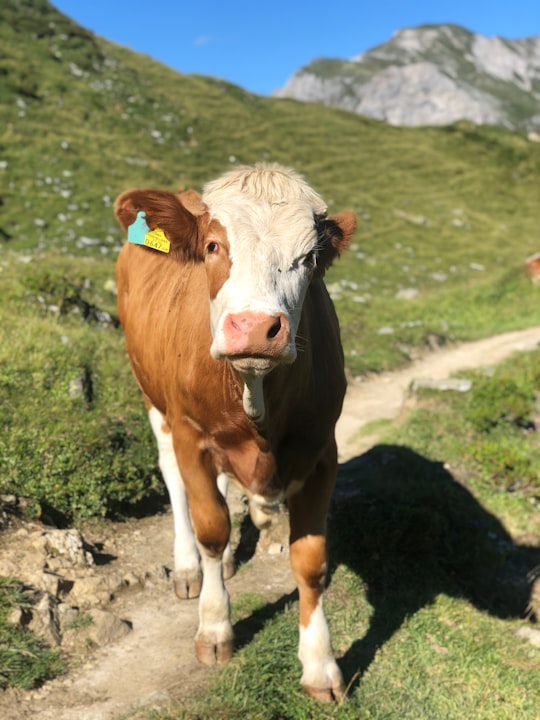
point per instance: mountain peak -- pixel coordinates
(432, 75)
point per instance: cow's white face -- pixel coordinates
(266, 264)
(260, 267)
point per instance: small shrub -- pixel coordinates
(500, 400)
(503, 456)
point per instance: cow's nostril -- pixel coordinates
(274, 330)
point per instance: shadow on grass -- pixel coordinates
(246, 629)
(410, 531)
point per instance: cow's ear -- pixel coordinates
(164, 211)
(334, 235)
(193, 201)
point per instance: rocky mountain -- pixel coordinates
(432, 75)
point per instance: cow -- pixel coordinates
(235, 344)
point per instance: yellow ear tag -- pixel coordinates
(158, 240)
(140, 234)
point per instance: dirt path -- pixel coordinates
(155, 662)
(383, 397)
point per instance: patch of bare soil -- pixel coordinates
(149, 659)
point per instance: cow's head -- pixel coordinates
(263, 235)
(278, 239)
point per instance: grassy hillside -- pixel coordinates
(447, 219)
(443, 212)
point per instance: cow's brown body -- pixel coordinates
(289, 450)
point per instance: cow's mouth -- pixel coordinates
(257, 366)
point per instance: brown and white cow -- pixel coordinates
(235, 344)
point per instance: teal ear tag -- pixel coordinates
(138, 230)
(140, 234)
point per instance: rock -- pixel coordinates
(431, 75)
(530, 634)
(93, 590)
(45, 621)
(66, 548)
(132, 581)
(155, 698)
(107, 627)
(67, 617)
(414, 219)
(19, 617)
(444, 385)
(76, 388)
(407, 294)
(8, 499)
(56, 585)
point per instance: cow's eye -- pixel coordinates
(309, 261)
(212, 248)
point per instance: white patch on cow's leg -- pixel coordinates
(187, 571)
(214, 639)
(320, 670)
(253, 397)
(229, 567)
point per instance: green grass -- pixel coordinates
(74, 438)
(493, 429)
(25, 661)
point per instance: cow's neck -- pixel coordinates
(253, 397)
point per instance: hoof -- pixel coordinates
(187, 584)
(334, 694)
(214, 654)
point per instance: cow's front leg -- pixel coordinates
(321, 677)
(187, 574)
(211, 523)
(214, 639)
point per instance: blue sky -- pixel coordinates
(259, 45)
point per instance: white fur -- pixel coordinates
(320, 669)
(214, 622)
(186, 555)
(187, 561)
(268, 212)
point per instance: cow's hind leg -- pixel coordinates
(187, 569)
(321, 677)
(229, 567)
